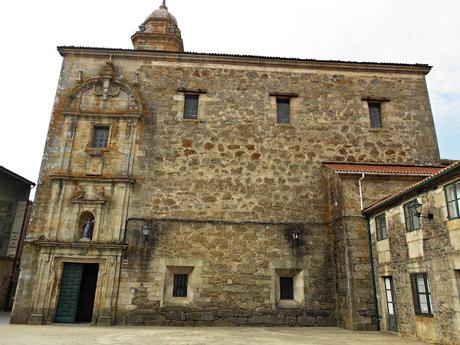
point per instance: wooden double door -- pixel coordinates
(77, 293)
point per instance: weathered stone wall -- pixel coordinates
(236, 282)
(234, 164)
(434, 249)
(355, 303)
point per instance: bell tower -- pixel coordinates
(159, 32)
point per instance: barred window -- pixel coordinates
(381, 226)
(100, 137)
(410, 214)
(421, 294)
(375, 112)
(286, 288)
(180, 285)
(283, 110)
(191, 107)
(453, 200)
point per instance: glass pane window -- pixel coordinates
(100, 137)
(381, 226)
(375, 115)
(283, 110)
(453, 200)
(421, 294)
(411, 217)
(191, 107)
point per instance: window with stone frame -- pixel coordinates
(375, 113)
(191, 105)
(283, 110)
(457, 279)
(100, 136)
(381, 227)
(453, 200)
(421, 294)
(411, 217)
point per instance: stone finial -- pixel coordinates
(163, 5)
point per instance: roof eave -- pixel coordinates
(424, 185)
(250, 59)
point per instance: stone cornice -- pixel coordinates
(246, 60)
(78, 245)
(100, 179)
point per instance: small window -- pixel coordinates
(180, 285)
(453, 200)
(191, 107)
(375, 112)
(422, 294)
(100, 137)
(381, 226)
(283, 110)
(286, 288)
(410, 214)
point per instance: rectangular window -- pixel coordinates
(191, 107)
(100, 137)
(381, 226)
(375, 112)
(180, 285)
(457, 278)
(453, 200)
(286, 288)
(410, 214)
(422, 294)
(283, 110)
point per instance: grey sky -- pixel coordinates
(423, 31)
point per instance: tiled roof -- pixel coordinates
(382, 169)
(388, 201)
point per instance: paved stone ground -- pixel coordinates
(89, 335)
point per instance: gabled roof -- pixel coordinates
(16, 176)
(433, 180)
(382, 169)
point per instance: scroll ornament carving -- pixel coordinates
(93, 95)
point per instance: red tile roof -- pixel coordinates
(388, 201)
(382, 169)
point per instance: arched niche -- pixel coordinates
(86, 222)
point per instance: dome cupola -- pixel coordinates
(159, 32)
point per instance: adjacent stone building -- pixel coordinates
(416, 241)
(194, 189)
(15, 209)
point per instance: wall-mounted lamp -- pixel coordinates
(296, 236)
(146, 231)
(417, 208)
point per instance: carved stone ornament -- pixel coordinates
(105, 94)
(94, 195)
(106, 87)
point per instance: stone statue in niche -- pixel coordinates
(88, 229)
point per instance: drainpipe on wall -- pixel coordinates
(371, 254)
(360, 182)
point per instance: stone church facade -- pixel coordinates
(201, 189)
